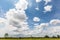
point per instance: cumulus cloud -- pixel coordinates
(48, 8)
(55, 21)
(47, 1)
(48, 29)
(16, 14)
(42, 25)
(2, 20)
(36, 31)
(2, 32)
(16, 23)
(36, 19)
(37, 8)
(52, 31)
(2, 27)
(21, 5)
(44, 29)
(16, 18)
(38, 1)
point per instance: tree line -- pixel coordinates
(46, 36)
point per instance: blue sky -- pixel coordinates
(35, 14)
(45, 17)
(31, 12)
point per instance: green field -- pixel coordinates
(32, 39)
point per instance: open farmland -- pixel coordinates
(30, 39)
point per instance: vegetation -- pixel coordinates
(6, 35)
(46, 36)
(30, 38)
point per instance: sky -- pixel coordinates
(26, 18)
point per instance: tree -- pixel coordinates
(58, 36)
(46, 36)
(6, 35)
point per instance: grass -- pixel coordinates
(30, 39)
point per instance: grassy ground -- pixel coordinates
(32, 39)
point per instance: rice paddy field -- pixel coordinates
(29, 38)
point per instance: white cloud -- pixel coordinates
(48, 8)
(53, 31)
(21, 5)
(38, 29)
(16, 18)
(2, 32)
(2, 27)
(38, 1)
(2, 20)
(16, 14)
(44, 29)
(55, 21)
(37, 8)
(36, 19)
(11, 28)
(47, 1)
(42, 25)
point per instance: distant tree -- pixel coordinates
(6, 35)
(46, 36)
(58, 36)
